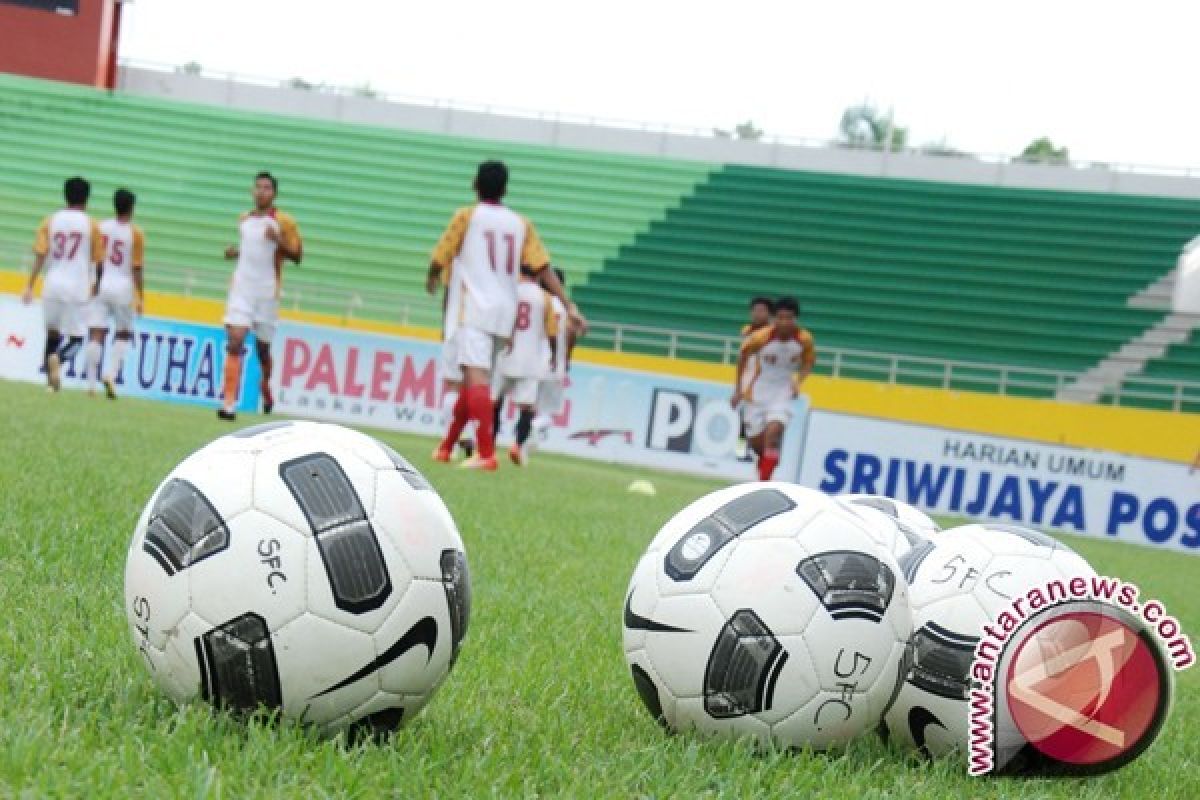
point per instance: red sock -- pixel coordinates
(458, 421)
(479, 405)
(767, 464)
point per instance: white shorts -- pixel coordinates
(260, 313)
(550, 396)
(65, 316)
(755, 416)
(519, 391)
(449, 367)
(474, 348)
(102, 308)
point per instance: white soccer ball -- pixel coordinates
(767, 611)
(958, 582)
(299, 567)
(898, 526)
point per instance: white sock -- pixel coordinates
(91, 369)
(120, 348)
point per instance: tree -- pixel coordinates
(746, 131)
(365, 90)
(866, 126)
(1043, 151)
(190, 68)
(300, 83)
(942, 147)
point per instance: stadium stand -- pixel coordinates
(1180, 363)
(370, 201)
(1020, 277)
(970, 273)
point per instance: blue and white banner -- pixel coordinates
(1125, 498)
(168, 360)
(607, 413)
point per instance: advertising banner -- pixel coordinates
(177, 361)
(1126, 498)
(607, 413)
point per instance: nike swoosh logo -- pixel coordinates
(423, 632)
(636, 622)
(918, 720)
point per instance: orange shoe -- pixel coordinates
(480, 463)
(441, 454)
(516, 455)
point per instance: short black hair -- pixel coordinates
(562, 276)
(123, 201)
(763, 301)
(527, 271)
(264, 175)
(76, 191)
(788, 304)
(491, 180)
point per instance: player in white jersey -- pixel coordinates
(119, 292)
(761, 311)
(529, 357)
(69, 247)
(552, 387)
(483, 247)
(267, 236)
(785, 357)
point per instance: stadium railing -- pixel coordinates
(409, 309)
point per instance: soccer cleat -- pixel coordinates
(516, 455)
(268, 399)
(110, 389)
(54, 372)
(478, 462)
(441, 454)
(228, 416)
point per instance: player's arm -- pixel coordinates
(535, 256)
(808, 361)
(550, 325)
(749, 347)
(448, 246)
(287, 243)
(99, 255)
(41, 247)
(139, 261)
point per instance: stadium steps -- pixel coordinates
(370, 201)
(1019, 277)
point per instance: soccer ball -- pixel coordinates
(767, 611)
(958, 582)
(899, 527)
(299, 567)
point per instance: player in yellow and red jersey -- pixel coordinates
(119, 292)
(69, 246)
(783, 355)
(484, 247)
(268, 236)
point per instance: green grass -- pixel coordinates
(540, 703)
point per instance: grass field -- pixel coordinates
(540, 703)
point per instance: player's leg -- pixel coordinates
(122, 314)
(235, 345)
(92, 353)
(476, 354)
(52, 315)
(773, 440)
(460, 412)
(73, 328)
(524, 397)
(754, 423)
(266, 317)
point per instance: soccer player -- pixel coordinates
(551, 387)
(119, 292)
(484, 246)
(69, 247)
(267, 237)
(761, 311)
(785, 358)
(529, 356)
